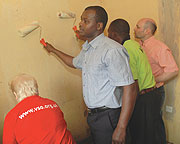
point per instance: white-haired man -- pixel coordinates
(34, 119)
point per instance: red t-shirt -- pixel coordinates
(36, 120)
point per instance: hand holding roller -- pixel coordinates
(47, 46)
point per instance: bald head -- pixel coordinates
(145, 28)
(149, 23)
(24, 85)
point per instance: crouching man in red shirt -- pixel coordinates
(34, 120)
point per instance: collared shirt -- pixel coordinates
(139, 64)
(104, 64)
(159, 56)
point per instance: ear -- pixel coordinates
(99, 26)
(15, 95)
(115, 36)
(147, 31)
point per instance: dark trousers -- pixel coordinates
(161, 91)
(146, 124)
(102, 125)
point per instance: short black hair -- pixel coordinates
(121, 27)
(101, 14)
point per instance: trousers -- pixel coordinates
(102, 125)
(146, 124)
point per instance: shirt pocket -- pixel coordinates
(98, 71)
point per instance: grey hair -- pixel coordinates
(151, 25)
(24, 85)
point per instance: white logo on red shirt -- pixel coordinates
(38, 108)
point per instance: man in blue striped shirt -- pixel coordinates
(108, 85)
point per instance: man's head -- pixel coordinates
(145, 28)
(93, 22)
(23, 86)
(119, 30)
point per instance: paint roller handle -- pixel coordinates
(42, 41)
(75, 28)
(77, 34)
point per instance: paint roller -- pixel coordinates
(66, 15)
(29, 28)
(34, 25)
(69, 15)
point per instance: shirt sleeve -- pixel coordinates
(78, 60)
(118, 67)
(8, 131)
(166, 60)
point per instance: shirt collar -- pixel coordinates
(94, 43)
(28, 98)
(128, 38)
(147, 41)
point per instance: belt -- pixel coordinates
(146, 90)
(97, 110)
